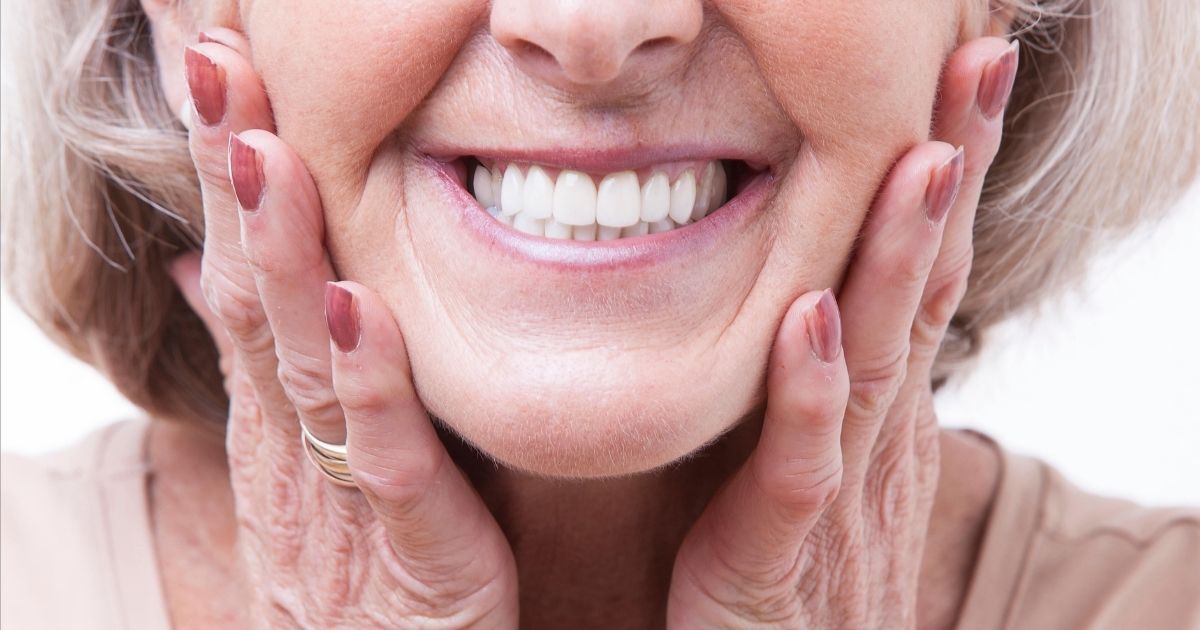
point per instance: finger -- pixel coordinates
(883, 287)
(434, 519)
(227, 37)
(227, 97)
(755, 525)
(976, 85)
(283, 233)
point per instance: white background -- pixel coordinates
(1106, 386)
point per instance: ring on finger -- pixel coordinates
(330, 459)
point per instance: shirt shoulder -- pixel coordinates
(75, 523)
(1099, 562)
(1056, 556)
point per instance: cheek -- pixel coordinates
(342, 75)
(859, 79)
(851, 74)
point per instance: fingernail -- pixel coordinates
(996, 84)
(824, 324)
(246, 173)
(341, 315)
(943, 186)
(206, 83)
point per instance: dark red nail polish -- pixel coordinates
(206, 83)
(944, 183)
(246, 173)
(341, 315)
(996, 84)
(824, 323)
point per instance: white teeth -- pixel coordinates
(618, 200)
(512, 191)
(608, 233)
(529, 225)
(483, 187)
(585, 232)
(574, 199)
(656, 198)
(497, 182)
(683, 197)
(641, 228)
(704, 192)
(572, 206)
(554, 229)
(538, 200)
(666, 225)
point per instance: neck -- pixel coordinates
(599, 552)
(590, 553)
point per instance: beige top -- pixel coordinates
(77, 550)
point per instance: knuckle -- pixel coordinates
(892, 486)
(910, 272)
(397, 483)
(940, 305)
(308, 385)
(802, 486)
(873, 386)
(363, 400)
(238, 309)
(284, 525)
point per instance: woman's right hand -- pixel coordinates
(413, 545)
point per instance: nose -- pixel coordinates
(593, 42)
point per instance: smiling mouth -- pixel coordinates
(567, 204)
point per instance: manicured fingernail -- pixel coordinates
(341, 315)
(944, 183)
(996, 84)
(824, 324)
(246, 173)
(206, 83)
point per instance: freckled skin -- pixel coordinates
(595, 374)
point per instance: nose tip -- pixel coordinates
(590, 42)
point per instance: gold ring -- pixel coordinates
(330, 459)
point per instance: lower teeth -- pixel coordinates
(591, 232)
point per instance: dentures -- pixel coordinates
(569, 204)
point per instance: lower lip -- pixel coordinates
(622, 253)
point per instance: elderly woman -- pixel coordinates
(566, 315)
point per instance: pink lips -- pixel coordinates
(625, 253)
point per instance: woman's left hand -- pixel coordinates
(825, 524)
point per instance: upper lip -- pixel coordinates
(602, 159)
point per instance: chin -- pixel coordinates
(636, 415)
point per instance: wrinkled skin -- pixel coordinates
(824, 524)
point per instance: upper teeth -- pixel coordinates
(570, 204)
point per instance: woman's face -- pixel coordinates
(570, 357)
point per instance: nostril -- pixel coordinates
(652, 45)
(535, 53)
